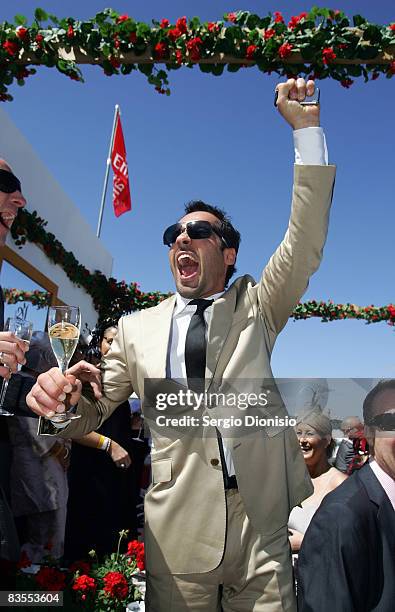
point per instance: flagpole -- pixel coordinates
(103, 197)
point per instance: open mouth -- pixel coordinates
(6, 219)
(187, 265)
(306, 448)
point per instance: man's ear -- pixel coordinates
(230, 256)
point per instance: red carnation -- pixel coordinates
(22, 33)
(11, 47)
(251, 51)
(269, 33)
(115, 584)
(70, 32)
(278, 18)
(295, 20)
(114, 61)
(84, 584)
(179, 57)
(231, 17)
(346, 83)
(161, 50)
(212, 26)
(392, 27)
(193, 47)
(133, 37)
(39, 39)
(391, 68)
(285, 50)
(181, 24)
(164, 23)
(391, 310)
(122, 18)
(174, 33)
(328, 55)
(50, 579)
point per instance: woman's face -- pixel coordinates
(312, 444)
(108, 337)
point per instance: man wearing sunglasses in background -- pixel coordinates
(12, 353)
(347, 559)
(216, 515)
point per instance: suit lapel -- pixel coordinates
(156, 324)
(220, 324)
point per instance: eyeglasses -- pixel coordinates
(384, 422)
(9, 182)
(196, 230)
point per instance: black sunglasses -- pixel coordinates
(9, 182)
(384, 422)
(196, 230)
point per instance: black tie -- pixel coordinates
(195, 346)
(195, 363)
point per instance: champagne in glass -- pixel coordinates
(64, 331)
(23, 330)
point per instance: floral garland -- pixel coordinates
(320, 43)
(110, 297)
(39, 299)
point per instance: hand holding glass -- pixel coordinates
(23, 330)
(64, 331)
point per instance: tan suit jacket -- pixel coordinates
(185, 507)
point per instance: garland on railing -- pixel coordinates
(113, 299)
(110, 297)
(320, 43)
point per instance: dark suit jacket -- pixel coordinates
(347, 559)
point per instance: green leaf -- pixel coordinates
(194, 23)
(233, 67)
(40, 14)
(358, 20)
(372, 33)
(145, 68)
(20, 20)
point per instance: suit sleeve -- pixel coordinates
(333, 563)
(118, 370)
(286, 276)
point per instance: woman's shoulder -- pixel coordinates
(335, 478)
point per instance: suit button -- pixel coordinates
(214, 461)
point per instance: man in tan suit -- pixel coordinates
(217, 511)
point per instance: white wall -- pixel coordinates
(46, 196)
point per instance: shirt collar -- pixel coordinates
(182, 303)
(384, 479)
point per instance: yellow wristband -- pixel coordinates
(101, 441)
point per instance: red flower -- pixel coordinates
(133, 37)
(122, 18)
(84, 584)
(392, 27)
(115, 584)
(114, 61)
(391, 68)
(39, 39)
(193, 47)
(22, 33)
(295, 20)
(179, 62)
(285, 50)
(342, 46)
(135, 548)
(50, 579)
(80, 566)
(212, 26)
(251, 51)
(22, 73)
(328, 55)
(164, 23)
(375, 75)
(269, 33)
(391, 310)
(231, 17)
(346, 83)
(24, 561)
(161, 50)
(11, 47)
(70, 32)
(174, 33)
(278, 18)
(181, 24)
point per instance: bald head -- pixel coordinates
(351, 425)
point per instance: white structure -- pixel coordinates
(46, 196)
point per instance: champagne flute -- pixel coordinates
(23, 330)
(64, 324)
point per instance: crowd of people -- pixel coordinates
(224, 510)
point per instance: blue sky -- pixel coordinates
(221, 140)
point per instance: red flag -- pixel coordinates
(121, 191)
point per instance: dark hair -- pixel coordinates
(381, 386)
(97, 333)
(231, 234)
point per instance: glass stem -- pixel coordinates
(3, 392)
